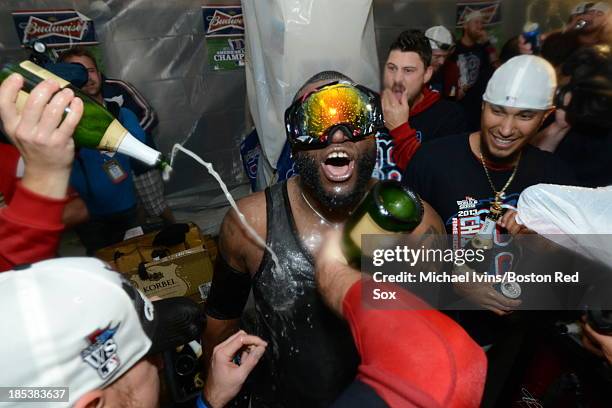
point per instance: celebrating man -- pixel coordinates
(489, 169)
(312, 357)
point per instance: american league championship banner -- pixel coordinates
(224, 31)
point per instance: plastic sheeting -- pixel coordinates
(288, 41)
(159, 47)
(577, 218)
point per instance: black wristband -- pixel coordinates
(229, 291)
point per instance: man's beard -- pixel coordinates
(308, 169)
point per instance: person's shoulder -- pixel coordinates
(127, 115)
(439, 152)
(552, 164)
(115, 84)
(448, 145)
(446, 107)
(234, 239)
(253, 208)
(541, 156)
(253, 203)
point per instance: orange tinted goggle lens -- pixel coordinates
(338, 104)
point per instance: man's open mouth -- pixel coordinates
(502, 143)
(338, 166)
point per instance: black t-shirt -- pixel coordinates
(475, 70)
(443, 118)
(447, 175)
(588, 152)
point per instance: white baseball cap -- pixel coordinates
(76, 323)
(525, 81)
(439, 37)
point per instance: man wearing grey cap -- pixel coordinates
(445, 78)
(476, 59)
(597, 28)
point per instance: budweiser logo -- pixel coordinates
(72, 28)
(488, 13)
(220, 21)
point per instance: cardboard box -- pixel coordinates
(185, 271)
(126, 256)
(180, 274)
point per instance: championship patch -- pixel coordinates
(101, 354)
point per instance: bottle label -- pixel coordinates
(22, 98)
(43, 73)
(112, 137)
(366, 225)
(488, 228)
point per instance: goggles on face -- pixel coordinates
(311, 120)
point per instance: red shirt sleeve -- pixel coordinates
(405, 145)
(9, 157)
(30, 228)
(411, 354)
(451, 79)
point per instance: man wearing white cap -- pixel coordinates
(464, 177)
(83, 336)
(445, 76)
(476, 58)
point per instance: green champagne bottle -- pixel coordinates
(98, 128)
(388, 208)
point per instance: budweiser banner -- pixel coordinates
(490, 10)
(56, 28)
(224, 31)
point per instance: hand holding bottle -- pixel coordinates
(225, 377)
(39, 133)
(333, 276)
(485, 295)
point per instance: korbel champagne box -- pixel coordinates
(184, 269)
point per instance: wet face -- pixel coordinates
(438, 59)
(505, 131)
(338, 174)
(405, 71)
(93, 86)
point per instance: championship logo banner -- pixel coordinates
(490, 10)
(224, 31)
(55, 28)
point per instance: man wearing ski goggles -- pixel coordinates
(331, 127)
(313, 118)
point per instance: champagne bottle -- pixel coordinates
(98, 128)
(388, 208)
